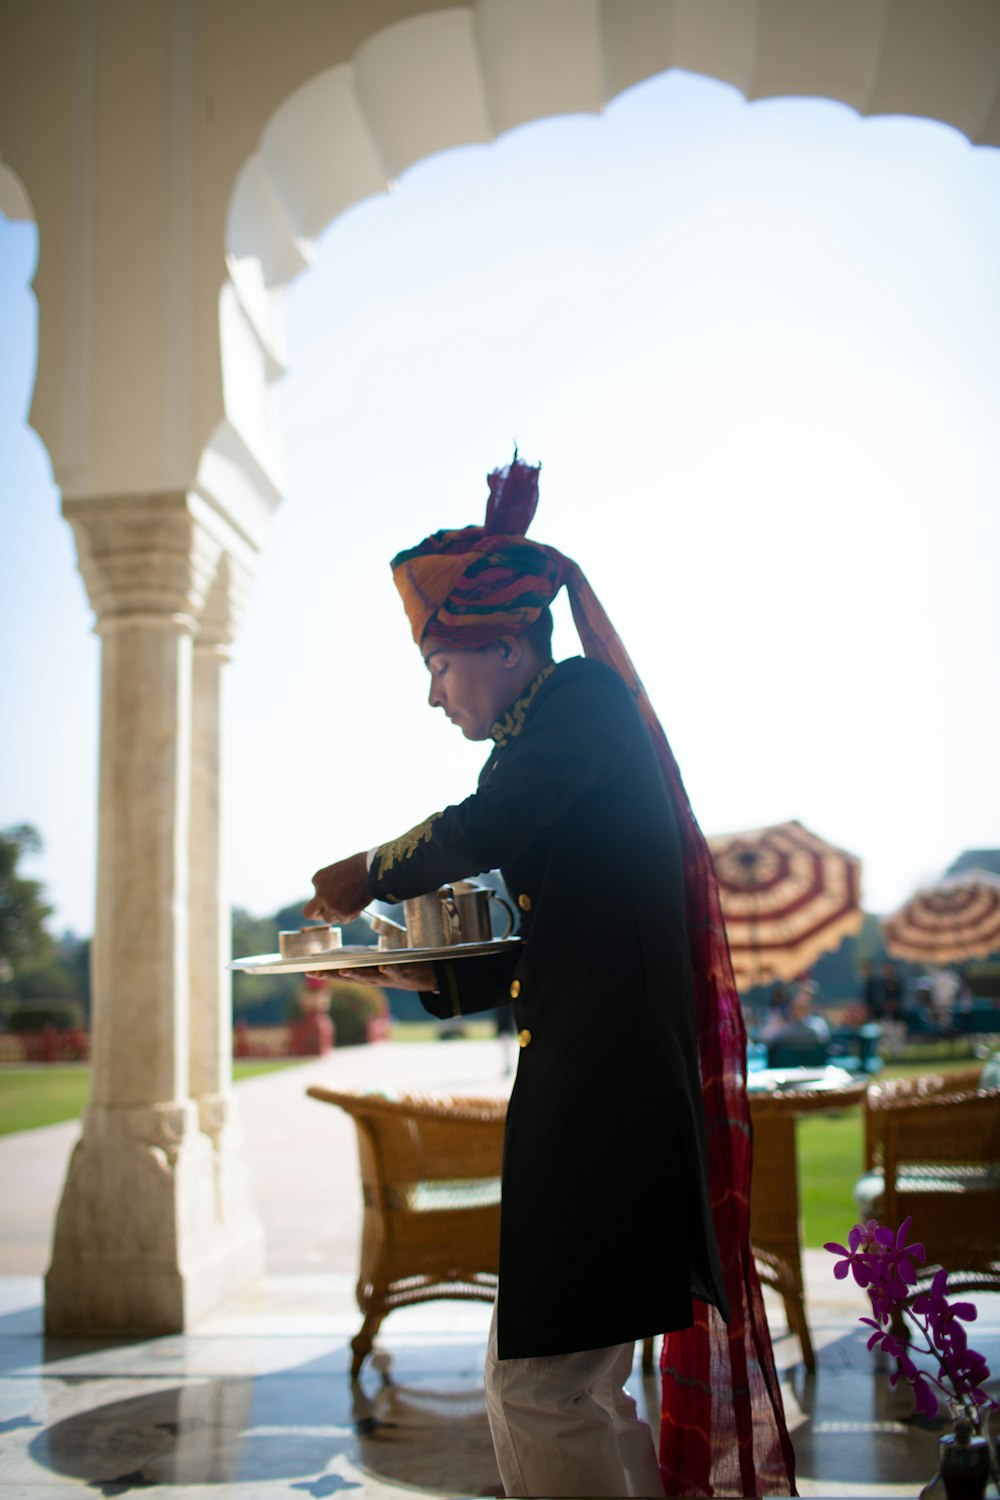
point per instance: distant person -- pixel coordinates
(872, 992)
(918, 1013)
(944, 992)
(802, 1024)
(882, 991)
(777, 1013)
(802, 1009)
(893, 1017)
(893, 992)
(964, 1003)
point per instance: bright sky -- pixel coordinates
(757, 349)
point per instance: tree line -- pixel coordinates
(44, 980)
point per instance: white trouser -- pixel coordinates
(565, 1426)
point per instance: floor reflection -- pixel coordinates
(427, 1434)
(853, 1432)
(126, 1417)
(204, 1432)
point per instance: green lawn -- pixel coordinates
(48, 1094)
(830, 1159)
(830, 1163)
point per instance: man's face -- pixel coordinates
(472, 687)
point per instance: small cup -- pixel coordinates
(390, 934)
(305, 942)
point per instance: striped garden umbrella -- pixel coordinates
(787, 897)
(946, 922)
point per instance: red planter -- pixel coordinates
(312, 1036)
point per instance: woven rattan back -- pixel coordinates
(938, 1148)
(430, 1180)
(896, 1091)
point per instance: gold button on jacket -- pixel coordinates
(515, 988)
(524, 902)
(523, 1038)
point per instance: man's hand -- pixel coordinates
(341, 891)
(393, 976)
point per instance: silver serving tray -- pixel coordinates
(355, 956)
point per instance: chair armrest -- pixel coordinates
(414, 1106)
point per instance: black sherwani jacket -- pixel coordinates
(606, 1231)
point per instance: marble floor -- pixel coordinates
(257, 1402)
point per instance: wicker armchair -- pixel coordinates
(430, 1177)
(932, 1148)
(775, 1216)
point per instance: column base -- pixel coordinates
(82, 1298)
(140, 1246)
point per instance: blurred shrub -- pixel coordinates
(33, 1015)
(50, 982)
(352, 1006)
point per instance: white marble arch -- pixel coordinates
(464, 75)
(180, 161)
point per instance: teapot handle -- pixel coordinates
(495, 896)
(451, 912)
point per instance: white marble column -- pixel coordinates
(211, 1027)
(140, 1243)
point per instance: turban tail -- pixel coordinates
(723, 1427)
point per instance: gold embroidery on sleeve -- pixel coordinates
(405, 846)
(510, 726)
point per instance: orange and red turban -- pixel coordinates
(723, 1426)
(471, 586)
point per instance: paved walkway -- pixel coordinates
(256, 1402)
(303, 1153)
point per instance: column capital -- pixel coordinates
(223, 609)
(145, 559)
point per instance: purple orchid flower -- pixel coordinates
(855, 1253)
(884, 1265)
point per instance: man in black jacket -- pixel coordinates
(606, 1223)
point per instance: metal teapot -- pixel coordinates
(458, 913)
(472, 903)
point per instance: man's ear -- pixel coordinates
(511, 651)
